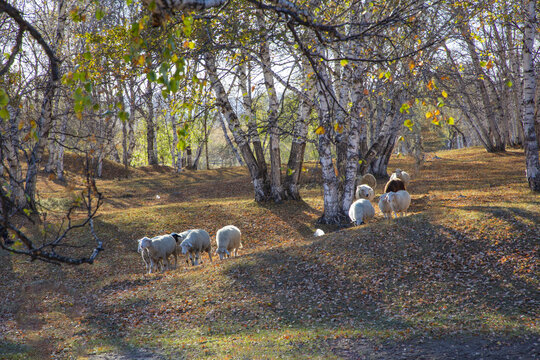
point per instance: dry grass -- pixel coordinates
(463, 265)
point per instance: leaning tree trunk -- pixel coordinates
(529, 87)
(489, 111)
(44, 121)
(222, 101)
(228, 140)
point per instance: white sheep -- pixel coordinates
(403, 175)
(228, 239)
(367, 179)
(360, 211)
(365, 192)
(399, 202)
(318, 232)
(384, 206)
(192, 242)
(159, 248)
(145, 256)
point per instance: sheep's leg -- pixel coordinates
(235, 252)
(165, 263)
(196, 258)
(210, 254)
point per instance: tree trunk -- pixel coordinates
(529, 87)
(240, 137)
(276, 189)
(198, 154)
(253, 131)
(44, 121)
(12, 144)
(151, 151)
(298, 147)
(228, 140)
(482, 89)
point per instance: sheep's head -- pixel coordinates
(144, 243)
(363, 191)
(222, 253)
(185, 248)
(392, 199)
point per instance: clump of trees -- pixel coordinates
(150, 82)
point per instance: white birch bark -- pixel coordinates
(529, 89)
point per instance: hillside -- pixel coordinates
(457, 278)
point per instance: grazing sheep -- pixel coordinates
(228, 239)
(385, 207)
(318, 232)
(367, 179)
(403, 175)
(394, 185)
(399, 202)
(145, 256)
(365, 192)
(360, 211)
(159, 249)
(193, 242)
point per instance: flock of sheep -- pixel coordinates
(395, 198)
(156, 251)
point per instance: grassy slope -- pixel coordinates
(465, 262)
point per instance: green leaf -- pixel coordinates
(151, 76)
(290, 171)
(4, 98)
(509, 83)
(483, 63)
(123, 116)
(181, 144)
(99, 13)
(344, 62)
(4, 114)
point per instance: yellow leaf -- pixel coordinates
(411, 65)
(320, 130)
(338, 128)
(450, 121)
(444, 94)
(428, 115)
